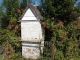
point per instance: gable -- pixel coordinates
(30, 9)
(29, 15)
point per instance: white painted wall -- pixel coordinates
(31, 31)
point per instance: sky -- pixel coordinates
(77, 2)
(38, 1)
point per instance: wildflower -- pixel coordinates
(10, 22)
(44, 24)
(7, 53)
(61, 37)
(66, 33)
(52, 18)
(60, 21)
(9, 56)
(75, 22)
(16, 27)
(18, 10)
(12, 26)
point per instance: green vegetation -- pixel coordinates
(62, 27)
(60, 24)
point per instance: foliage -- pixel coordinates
(62, 27)
(10, 11)
(62, 9)
(10, 27)
(24, 3)
(60, 24)
(66, 39)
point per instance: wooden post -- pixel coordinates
(52, 50)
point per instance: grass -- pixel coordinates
(1, 56)
(77, 58)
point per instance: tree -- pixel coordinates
(10, 8)
(61, 10)
(78, 8)
(62, 28)
(10, 5)
(24, 3)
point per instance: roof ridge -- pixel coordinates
(34, 10)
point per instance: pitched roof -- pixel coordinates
(34, 10)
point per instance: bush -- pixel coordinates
(66, 38)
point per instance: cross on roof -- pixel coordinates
(35, 4)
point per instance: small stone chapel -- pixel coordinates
(31, 32)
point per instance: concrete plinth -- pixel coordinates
(30, 50)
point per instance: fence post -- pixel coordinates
(52, 50)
